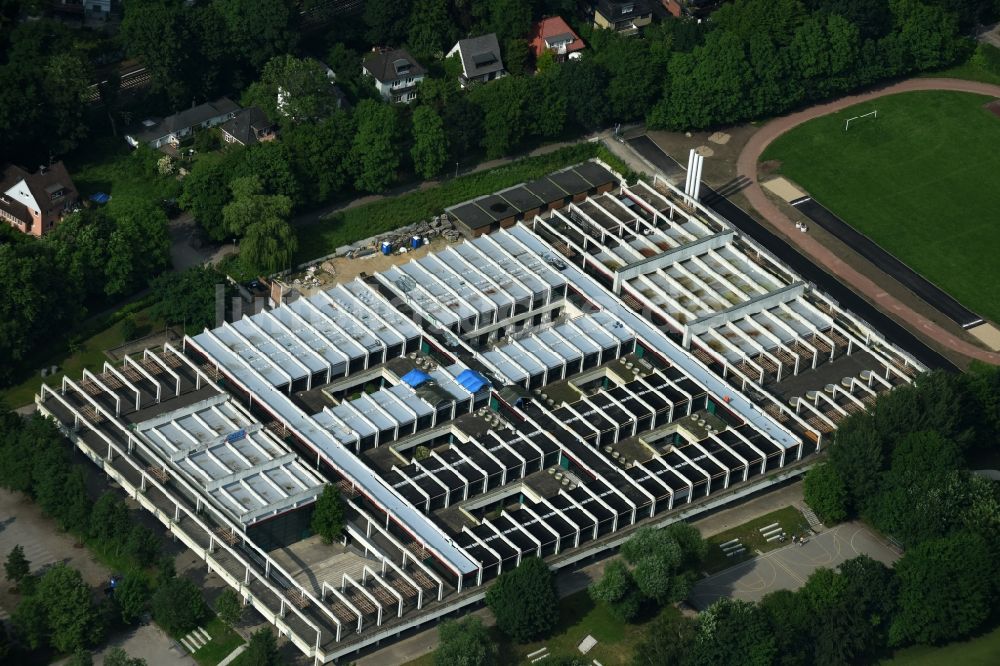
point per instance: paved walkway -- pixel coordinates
(746, 166)
(789, 567)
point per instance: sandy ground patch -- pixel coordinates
(720, 138)
(348, 269)
(784, 189)
(704, 151)
(988, 334)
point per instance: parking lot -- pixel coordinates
(788, 568)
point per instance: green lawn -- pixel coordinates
(88, 354)
(580, 617)
(224, 641)
(790, 519)
(920, 180)
(980, 651)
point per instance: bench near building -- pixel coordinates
(622, 358)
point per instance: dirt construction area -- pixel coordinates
(788, 568)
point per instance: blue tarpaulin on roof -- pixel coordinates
(471, 381)
(415, 377)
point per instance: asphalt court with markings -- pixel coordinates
(787, 568)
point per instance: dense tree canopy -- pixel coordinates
(464, 642)
(946, 589)
(178, 605)
(190, 298)
(524, 600)
(328, 514)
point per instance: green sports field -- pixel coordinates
(922, 180)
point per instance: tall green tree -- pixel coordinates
(116, 656)
(733, 632)
(257, 30)
(262, 649)
(229, 606)
(158, 33)
(269, 245)
(328, 514)
(826, 493)
(431, 30)
(504, 107)
(666, 640)
(190, 298)
(139, 247)
(947, 587)
(584, 83)
(294, 88)
(387, 22)
(524, 601)
(36, 308)
(17, 567)
(178, 605)
(319, 155)
(132, 594)
(374, 151)
(618, 590)
(249, 205)
(464, 642)
(430, 143)
(206, 191)
(71, 618)
(509, 19)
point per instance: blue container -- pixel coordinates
(416, 242)
(386, 247)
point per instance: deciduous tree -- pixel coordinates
(328, 514)
(229, 606)
(524, 601)
(178, 605)
(464, 642)
(17, 567)
(826, 494)
(946, 589)
(430, 144)
(374, 152)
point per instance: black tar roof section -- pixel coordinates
(546, 190)
(521, 198)
(497, 206)
(570, 181)
(471, 215)
(594, 174)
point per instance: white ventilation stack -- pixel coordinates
(692, 156)
(692, 186)
(696, 183)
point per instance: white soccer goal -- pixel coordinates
(871, 114)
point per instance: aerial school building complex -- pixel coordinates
(626, 359)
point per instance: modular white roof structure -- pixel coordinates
(648, 333)
(473, 284)
(333, 452)
(217, 446)
(559, 346)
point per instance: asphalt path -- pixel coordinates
(887, 263)
(798, 262)
(789, 567)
